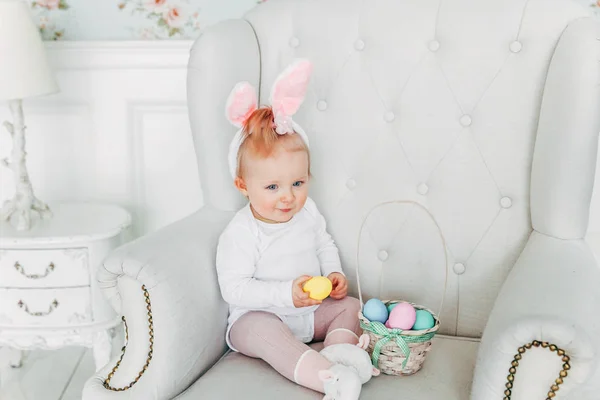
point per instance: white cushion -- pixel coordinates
(446, 374)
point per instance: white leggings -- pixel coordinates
(263, 335)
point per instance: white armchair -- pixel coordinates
(486, 112)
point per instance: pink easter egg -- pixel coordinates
(403, 316)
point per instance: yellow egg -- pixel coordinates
(318, 287)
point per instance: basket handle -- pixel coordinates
(439, 231)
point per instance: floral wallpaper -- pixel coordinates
(164, 19)
(141, 19)
(46, 17)
(132, 19)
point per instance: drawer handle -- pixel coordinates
(51, 308)
(21, 270)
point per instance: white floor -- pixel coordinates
(49, 375)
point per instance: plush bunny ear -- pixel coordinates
(288, 94)
(241, 103)
(363, 341)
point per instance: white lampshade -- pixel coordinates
(24, 67)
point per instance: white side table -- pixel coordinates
(49, 297)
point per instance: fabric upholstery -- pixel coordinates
(224, 55)
(550, 295)
(176, 265)
(446, 374)
(567, 141)
(437, 102)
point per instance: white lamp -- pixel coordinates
(24, 72)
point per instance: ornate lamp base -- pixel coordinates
(24, 202)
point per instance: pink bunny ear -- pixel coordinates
(288, 93)
(363, 341)
(241, 103)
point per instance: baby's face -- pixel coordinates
(277, 186)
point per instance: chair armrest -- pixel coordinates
(551, 295)
(176, 265)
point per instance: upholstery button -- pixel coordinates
(434, 45)
(459, 268)
(466, 120)
(389, 116)
(350, 183)
(505, 202)
(382, 255)
(322, 105)
(359, 45)
(423, 189)
(516, 46)
(294, 42)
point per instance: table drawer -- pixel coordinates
(47, 307)
(44, 268)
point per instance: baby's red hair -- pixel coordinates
(261, 140)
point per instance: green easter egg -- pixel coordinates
(424, 320)
(391, 306)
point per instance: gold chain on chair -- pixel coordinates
(513, 369)
(151, 329)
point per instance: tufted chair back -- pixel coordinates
(469, 107)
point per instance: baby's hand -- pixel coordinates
(299, 296)
(340, 285)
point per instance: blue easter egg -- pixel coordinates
(391, 306)
(424, 320)
(375, 310)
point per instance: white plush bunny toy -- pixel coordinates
(353, 364)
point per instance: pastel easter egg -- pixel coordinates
(403, 316)
(424, 320)
(391, 306)
(375, 310)
(319, 287)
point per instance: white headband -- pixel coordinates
(286, 97)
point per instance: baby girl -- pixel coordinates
(278, 241)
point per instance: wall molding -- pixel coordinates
(136, 111)
(117, 131)
(119, 54)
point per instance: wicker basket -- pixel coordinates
(398, 352)
(395, 351)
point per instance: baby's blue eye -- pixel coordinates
(298, 183)
(271, 187)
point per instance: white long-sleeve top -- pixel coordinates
(258, 261)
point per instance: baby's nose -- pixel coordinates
(287, 197)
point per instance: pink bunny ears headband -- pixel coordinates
(286, 97)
